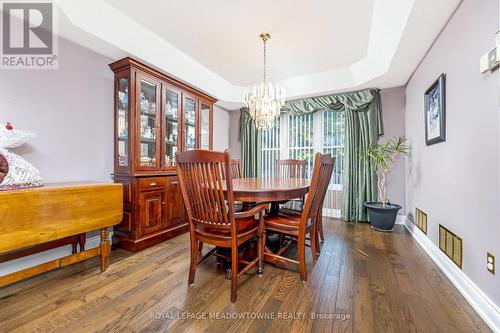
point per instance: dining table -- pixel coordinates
(268, 190)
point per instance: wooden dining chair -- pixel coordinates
(299, 225)
(319, 223)
(291, 168)
(211, 214)
(235, 168)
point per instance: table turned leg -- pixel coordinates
(82, 239)
(104, 249)
(74, 246)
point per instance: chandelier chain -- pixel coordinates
(265, 60)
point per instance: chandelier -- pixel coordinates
(264, 100)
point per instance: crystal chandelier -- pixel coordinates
(264, 100)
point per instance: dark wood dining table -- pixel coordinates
(268, 189)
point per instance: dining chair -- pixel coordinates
(211, 214)
(299, 225)
(296, 168)
(291, 168)
(235, 168)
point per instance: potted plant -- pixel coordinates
(382, 214)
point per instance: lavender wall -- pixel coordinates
(457, 182)
(221, 128)
(234, 132)
(393, 108)
(71, 111)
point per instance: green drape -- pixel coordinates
(363, 126)
(250, 145)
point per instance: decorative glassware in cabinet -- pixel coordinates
(205, 127)
(190, 122)
(147, 107)
(122, 122)
(171, 126)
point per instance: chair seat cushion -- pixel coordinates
(285, 221)
(243, 226)
(296, 205)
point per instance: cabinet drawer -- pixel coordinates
(151, 183)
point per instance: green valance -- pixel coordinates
(358, 101)
(363, 127)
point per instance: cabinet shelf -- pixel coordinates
(148, 114)
(148, 140)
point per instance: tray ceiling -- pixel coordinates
(317, 47)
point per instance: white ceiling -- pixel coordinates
(306, 36)
(317, 47)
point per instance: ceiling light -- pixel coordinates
(264, 100)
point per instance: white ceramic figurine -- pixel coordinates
(21, 174)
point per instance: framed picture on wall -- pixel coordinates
(435, 111)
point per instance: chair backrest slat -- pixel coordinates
(201, 178)
(291, 168)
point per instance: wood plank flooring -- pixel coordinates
(364, 281)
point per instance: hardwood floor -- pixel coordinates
(376, 282)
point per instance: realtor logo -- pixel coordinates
(28, 36)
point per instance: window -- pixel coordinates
(333, 141)
(301, 140)
(300, 137)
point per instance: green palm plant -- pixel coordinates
(382, 156)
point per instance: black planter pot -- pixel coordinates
(382, 218)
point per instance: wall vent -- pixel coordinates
(421, 220)
(451, 245)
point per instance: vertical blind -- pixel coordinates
(300, 137)
(301, 140)
(270, 150)
(333, 142)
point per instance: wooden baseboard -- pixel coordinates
(131, 245)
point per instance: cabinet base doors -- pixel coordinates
(151, 211)
(174, 210)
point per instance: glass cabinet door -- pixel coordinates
(147, 94)
(205, 122)
(172, 130)
(189, 123)
(122, 123)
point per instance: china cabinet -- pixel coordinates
(155, 117)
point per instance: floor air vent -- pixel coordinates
(421, 220)
(451, 245)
